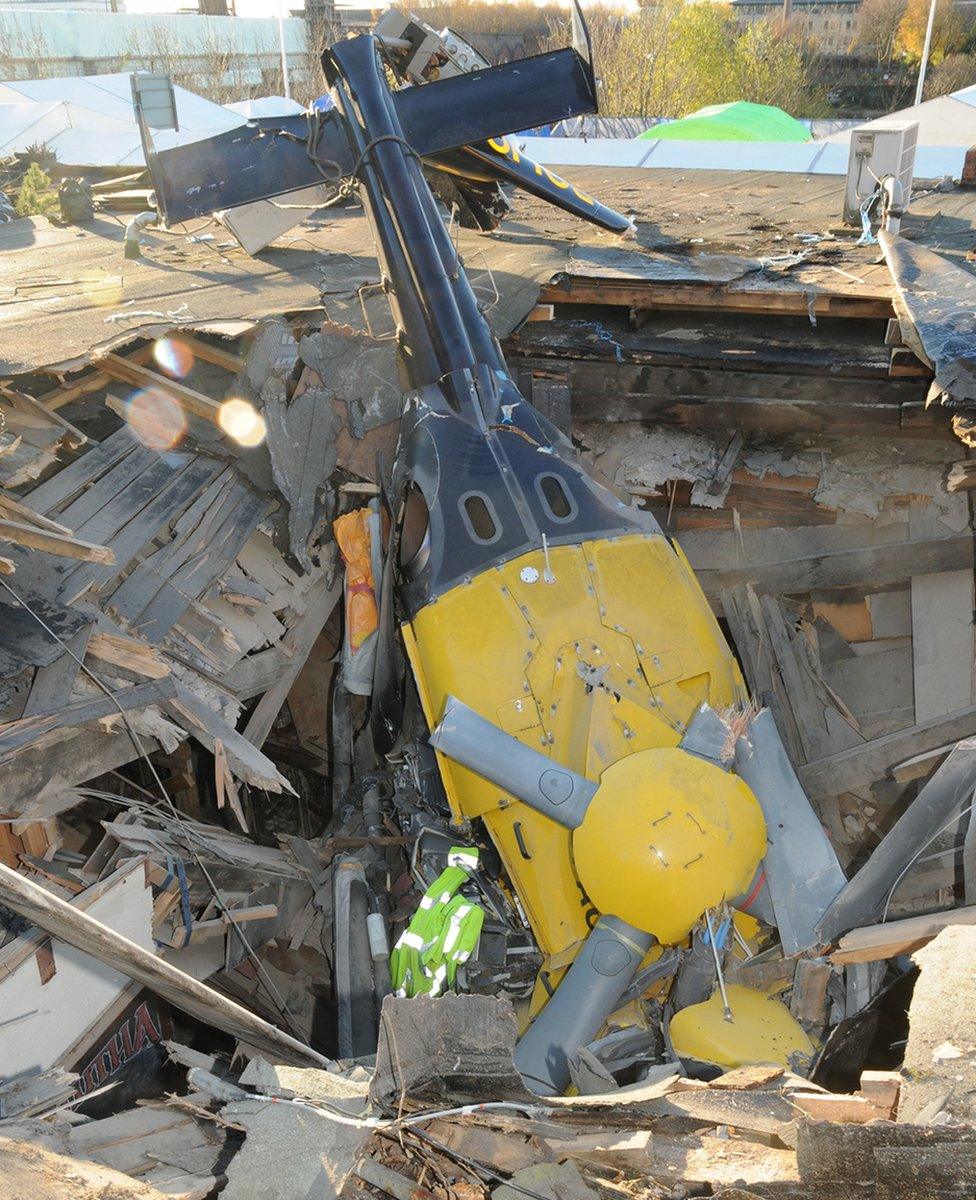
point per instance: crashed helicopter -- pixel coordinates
(571, 706)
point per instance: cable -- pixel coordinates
(276, 998)
(384, 137)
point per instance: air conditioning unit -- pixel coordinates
(883, 148)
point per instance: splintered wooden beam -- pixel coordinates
(65, 922)
(18, 735)
(871, 943)
(215, 355)
(15, 509)
(647, 294)
(46, 540)
(191, 401)
(93, 381)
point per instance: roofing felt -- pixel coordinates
(67, 293)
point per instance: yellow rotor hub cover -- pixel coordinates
(666, 836)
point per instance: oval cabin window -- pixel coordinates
(479, 517)
(552, 490)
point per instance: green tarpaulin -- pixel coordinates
(739, 121)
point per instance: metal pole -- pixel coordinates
(284, 54)
(923, 66)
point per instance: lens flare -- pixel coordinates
(173, 356)
(240, 420)
(156, 419)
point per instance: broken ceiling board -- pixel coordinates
(874, 685)
(301, 442)
(205, 541)
(137, 515)
(943, 650)
(891, 613)
(42, 1018)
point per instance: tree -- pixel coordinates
(876, 30)
(673, 58)
(956, 71)
(948, 32)
(36, 194)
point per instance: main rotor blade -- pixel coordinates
(802, 869)
(551, 789)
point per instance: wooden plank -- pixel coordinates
(852, 1110)
(717, 398)
(192, 402)
(103, 509)
(219, 925)
(126, 656)
(82, 472)
(42, 777)
(863, 305)
(203, 559)
(873, 566)
(35, 538)
(942, 642)
(78, 929)
(857, 768)
(52, 684)
(871, 943)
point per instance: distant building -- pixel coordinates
(829, 24)
(223, 57)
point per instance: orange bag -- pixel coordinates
(352, 534)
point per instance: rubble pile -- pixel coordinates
(423, 780)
